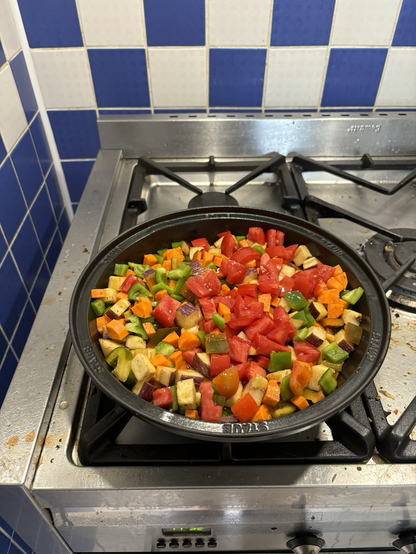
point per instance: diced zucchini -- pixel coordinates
(317, 372)
(186, 394)
(286, 271)
(142, 368)
(115, 282)
(302, 253)
(310, 263)
(108, 346)
(256, 387)
(283, 408)
(118, 309)
(165, 375)
(120, 359)
(349, 316)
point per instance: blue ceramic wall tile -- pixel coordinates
(54, 250)
(74, 207)
(27, 167)
(236, 76)
(301, 22)
(2, 55)
(15, 299)
(24, 85)
(3, 246)
(229, 110)
(55, 193)
(353, 76)
(119, 112)
(4, 541)
(180, 111)
(43, 218)
(15, 550)
(120, 77)
(6, 527)
(405, 34)
(40, 285)
(12, 205)
(50, 24)
(64, 225)
(27, 252)
(3, 346)
(22, 332)
(76, 133)
(76, 174)
(3, 152)
(41, 144)
(175, 22)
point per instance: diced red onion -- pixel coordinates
(148, 273)
(196, 268)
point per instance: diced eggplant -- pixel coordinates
(185, 246)
(115, 282)
(353, 333)
(134, 342)
(186, 394)
(183, 374)
(187, 315)
(110, 296)
(193, 250)
(323, 345)
(194, 330)
(142, 368)
(202, 363)
(316, 336)
(310, 263)
(108, 346)
(283, 408)
(233, 399)
(196, 267)
(165, 375)
(342, 342)
(118, 309)
(302, 253)
(286, 271)
(256, 387)
(349, 316)
(317, 310)
(317, 372)
(313, 396)
(285, 304)
(278, 375)
(187, 293)
(144, 390)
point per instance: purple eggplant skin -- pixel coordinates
(146, 391)
(184, 375)
(148, 273)
(314, 340)
(346, 346)
(196, 267)
(201, 366)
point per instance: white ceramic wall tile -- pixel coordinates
(111, 22)
(398, 87)
(294, 77)
(178, 77)
(64, 78)
(364, 22)
(8, 31)
(239, 22)
(12, 117)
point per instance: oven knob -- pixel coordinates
(174, 543)
(161, 543)
(199, 543)
(406, 543)
(305, 544)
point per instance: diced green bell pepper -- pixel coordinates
(327, 382)
(239, 237)
(353, 296)
(178, 297)
(295, 299)
(201, 335)
(134, 326)
(175, 405)
(219, 321)
(98, 306)
(280, 360)
(226, 412)
(285, 390)
(301, 334)
(309, 320)
(164, 348)
(120, 269)
(138, 269)
(219, 400)
(177, 244)
(161, 251)
(258, 248)
(334, 353)
(283, 408)
(183, 271)
(137, 290)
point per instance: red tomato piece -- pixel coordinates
(128, 282)
(262, 361)
(270, 270)
(256, 234)
(240, 322)
(201, 242)
(321, 272)
(290, 251)
(188, 355)
(242, 368)
(254, 310)
(262, 327)
(274, 237)
(245, 254)
(165, 310)
(268, 286)
(207, 284)
(209, 411)
(265, 346)
(219, 362)
(279, 334)
(197, 286)
(162, 397)
(228, 301)
(299, 378)
(303, 284)
(306, 352)
(209, 326)
(228, 244)
(255, 369)
(238, 349)
(227, 382)
(235, 272)
(319, 288)
(287, 284)
(276, 252)
(248, 289)
(245, 408)
(208, 307)
(264, 259)
(280, 315)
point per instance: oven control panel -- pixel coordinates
(186, 538)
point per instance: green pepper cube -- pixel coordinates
(334, 353)
(98, 306)
(280, 360)
(327, 382)
(219, 321)
(175, 405)
(353, 296)
(301, 334)
(201, 335)
(295, 299)
(309, 320)
(285, 390)
(177, 244)
(258, 249)
(120, 269)
(239, 237)
(216, 343)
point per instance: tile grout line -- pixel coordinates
(146, 53)
(41, 104)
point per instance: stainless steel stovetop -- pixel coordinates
(59, 505)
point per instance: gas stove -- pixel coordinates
(88, 477)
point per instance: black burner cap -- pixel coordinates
(403, 251)
(209, 199)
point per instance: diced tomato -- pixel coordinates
(235, 272)
(197, 286)
(280, 315)
(219, 362)
(128, 282)
(228, 301)
(262, 327)
(262, 361)
(255, 369)
(208, 307)
(264, 259)
(165, 311)
(238, 349)
(286, 284)
(162, 397)
(277, 262)
(201, 242)
(265, 346)
(242, 368)
(227, 382)
(256, 234)
(299, 377)
(209, 411)
(209, 326)
(240, 322)
(274, 237)
(248, 289)
(268, 286)
(245, 254)
(188, 355)
(245, 408)
(321, 272)
(306, 352)
(254, 310)
(228, 244)
(279, 334)
(270, 270)
(276, 252)
(290, 251)
(303, 284)
(319, 288)
(207, 284)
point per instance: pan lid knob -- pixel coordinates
(305, 544)
(406, 542)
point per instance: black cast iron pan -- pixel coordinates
(359, 369)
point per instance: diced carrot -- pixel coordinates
(157, 265)
(197, 255)
(275, 301)
(343, 303)
(217, 261)
(243, 243)
(173, 253)
(251, 263)
(333, 283)
(207, 258)
(262, 414)
(272, 395)
(149, 259)
(116, 330)
(150, 282)
(142, 308)
(223, 310)
(159, 294)
(335, 310)
(300, 402)
(148, 327)
(193, 414)
(167, 264)
(338, 270)
(328, 296)
(129, 272)
(160, 359)
(266, 299)
(330, 322)
(176, 358)
(121, 295)
(98, 293)
(343, 279)
(188, 340)
(172, 339)
(225, 289)
(100, 321)
(245, 408)
(319, 288)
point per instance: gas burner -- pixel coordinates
(386, 257)
(209, 199)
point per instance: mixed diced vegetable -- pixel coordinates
(245, 329)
